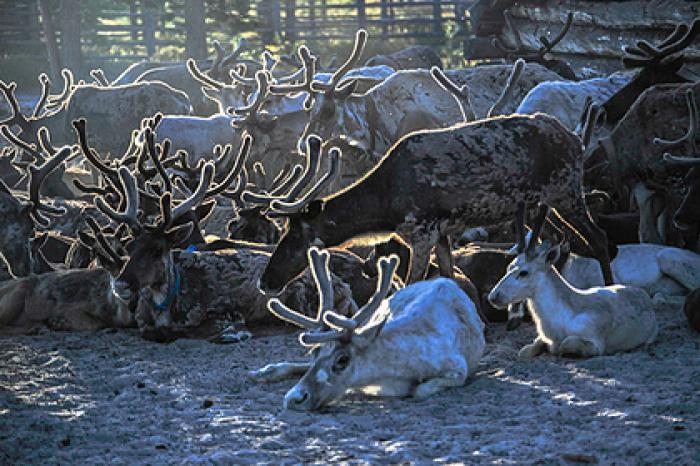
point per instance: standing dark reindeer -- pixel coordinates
(434, 184)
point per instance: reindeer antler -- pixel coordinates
(691, 135)
(131, 198)
(329, 325)
(509, 88)
(461, 94)
(334, 87)
(283, 208)
(37, 175)
(99, 77)
(68, 80)
(45, 87)
(644, 54)
(519, 51)
(17, 117)
(540, 218)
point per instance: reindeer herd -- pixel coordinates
(220, 198)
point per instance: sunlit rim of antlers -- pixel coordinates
(527, 245)
(520, 51)
(644, 54)
(329, 325)
(294, 183)
(212, 78)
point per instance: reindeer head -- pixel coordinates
(531, 261)
(225, 95)
(304, 221)
(338, 341)
(327, 97)
(150, 263)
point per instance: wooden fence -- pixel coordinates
(143, 29)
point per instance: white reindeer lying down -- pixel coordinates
(423, 339)
(582, 322)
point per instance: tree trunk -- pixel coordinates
(71, 53)
(50, 39)
(196, 46)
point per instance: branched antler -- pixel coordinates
(519, 51)
(644, 54)
(509, 89)
(690, 137)
(461, 94)
(37, 175)
(329, 325)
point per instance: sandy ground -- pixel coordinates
(112, 397)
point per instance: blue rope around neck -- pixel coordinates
(172, 294)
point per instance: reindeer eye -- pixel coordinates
(341, 363)
(523, 274)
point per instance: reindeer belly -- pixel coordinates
(476, 174)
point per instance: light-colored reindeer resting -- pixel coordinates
(425, 338)
(590, 322)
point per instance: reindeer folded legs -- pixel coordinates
(591, 322)
(425, 338)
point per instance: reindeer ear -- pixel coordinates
(347, 90)
(212, 94)
(552, 254)
(314, 208)
(369, 334)
(86, 239)
(178, 235)
(204, 210)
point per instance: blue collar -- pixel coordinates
(172, 294)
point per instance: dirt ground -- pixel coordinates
(112, 397)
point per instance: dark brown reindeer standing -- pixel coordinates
(434, 184)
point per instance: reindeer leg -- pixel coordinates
(444, 257)
(421, 238)
(430, 387)
(532, 350)
(574, 345)
(648, 228)
(279, 371)
(12, 298)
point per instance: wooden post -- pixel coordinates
(291, 25)
(148, 12)
(133, 13)
(196, 41)
(384, 15)
(361, 14)
(51, 42)
(71, 54)
(437, 18)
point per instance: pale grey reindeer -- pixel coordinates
(126, 105)
(572, 321)
(367, 124)
(423, 339)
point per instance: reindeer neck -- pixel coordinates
(363, 209)
(553, 296)
(164, 295)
